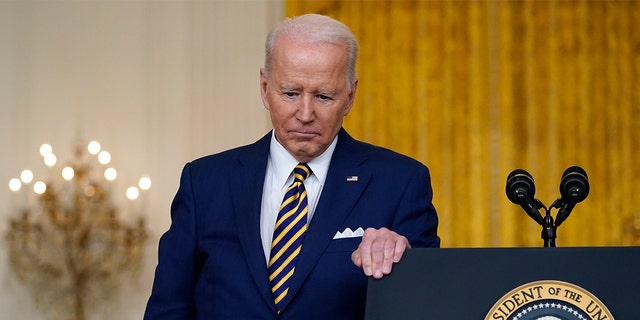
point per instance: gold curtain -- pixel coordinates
(476, 89)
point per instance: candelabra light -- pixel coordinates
(71, 247)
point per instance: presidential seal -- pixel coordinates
(549, 300)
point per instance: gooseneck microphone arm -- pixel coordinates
(521, 190)
(530, 206)
(574, 187)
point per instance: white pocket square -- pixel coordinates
(348, 233)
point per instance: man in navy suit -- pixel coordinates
(366, 204)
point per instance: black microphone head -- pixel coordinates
(520, 181)
(574, 184)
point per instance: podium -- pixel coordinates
(495, 283)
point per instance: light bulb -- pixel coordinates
(67, 173)
(104, 157)
(93, 147)
(110, 174)
(50, 160)
(132, 193)
(15, 184)
(26, 176)
(144, 183)
(45, 150)
(39, 187)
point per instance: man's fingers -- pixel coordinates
(389, 256)
(366, 251)
(378, 255)
(357, 258)
(401, 246)
(378, 251)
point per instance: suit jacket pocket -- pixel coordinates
(344, 244)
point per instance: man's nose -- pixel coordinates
(306, 109)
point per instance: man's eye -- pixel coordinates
(290, 94)
(323, 97)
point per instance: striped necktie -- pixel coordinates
(288, 235)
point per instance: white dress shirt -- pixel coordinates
(279, 176)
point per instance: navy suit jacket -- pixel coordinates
(211, 264)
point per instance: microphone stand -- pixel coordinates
(549, 230)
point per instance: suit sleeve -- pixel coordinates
(416, 217)
(172, 295)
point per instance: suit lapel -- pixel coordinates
(338, 197)
(247, 190)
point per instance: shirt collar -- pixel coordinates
(283, 162)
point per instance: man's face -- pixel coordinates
(307, 95)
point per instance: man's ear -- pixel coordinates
(263, 88)
(352, 96)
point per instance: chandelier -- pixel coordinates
(69, 246)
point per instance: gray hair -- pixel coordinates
(315, 28)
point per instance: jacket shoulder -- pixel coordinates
(234, 156)
(378, 155)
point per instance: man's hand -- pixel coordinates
(378, 251)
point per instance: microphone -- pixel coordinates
(574, 187)
(521, 190)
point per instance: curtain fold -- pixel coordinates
(476, 89)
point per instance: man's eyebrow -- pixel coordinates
(287, 87)
(326, 92)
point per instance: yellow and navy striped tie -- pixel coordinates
(288, 235)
